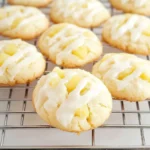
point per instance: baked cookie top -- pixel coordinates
(128, 32)
(133, 6)
(22, 22)
(17, 56)
(35, 3)
(126, 76)
(136, 3)
(70, 46)
(83, 101)
(84, 13)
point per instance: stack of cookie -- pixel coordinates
(72, 99)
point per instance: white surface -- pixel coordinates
(14, 119)
(116, 105)
(131, 119)
(29, 106)
(16, 105)
(147, 136)
(18, 93)
(45, 137)
(117, 137)
(129, 106)
(115, 118)
(0, 133)
(3, 106)
(144, 106)
(4, 93)
(33, 119)
(145, 119)
(2, 117)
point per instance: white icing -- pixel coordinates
(73, 101)
(120, 64)
(46, 91)
(31, 19)
(137, 3)
(68, 49)
(75, 8)
(22, 58)
(134, 25)
(30, 2)
(30, 15)
(9, 20)
(124, 1)
(76, 34)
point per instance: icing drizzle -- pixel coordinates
(73, 101)
(76, 8)
(28, 15)
(137, 3)
(135, 25)
(76, 35)
(22, 58)
(120, 64)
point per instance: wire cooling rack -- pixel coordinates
(20, 127)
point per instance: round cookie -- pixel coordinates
(70, 46)
(125, 75)
(22, 22)
(84, 13)
(128, 32)
(132, 6)
(20, 62)
(83, 102)
(34, 3)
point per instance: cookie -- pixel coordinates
(128, 32)
(69, 46)
(125, 75)
(132, 6)
(20, 62)
(34, 3)
(83, 102)
(84, 13)
(22, 22)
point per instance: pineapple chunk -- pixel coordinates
(55, 29)
(60, 72)
(16, 22)
(144, 76)
(147, 31)
(66, 44)
(2, 15)
(85, 89)
(85, 6)
(123, 22)
(71, 85)
(22, 10)
(54, 82)
(106, 57)
(10, 49)
(82, 112)
(3, 57)
(71, 6)
(88, 34)
(81, 52)
(125, 73)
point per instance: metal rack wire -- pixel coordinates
(20, 127)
